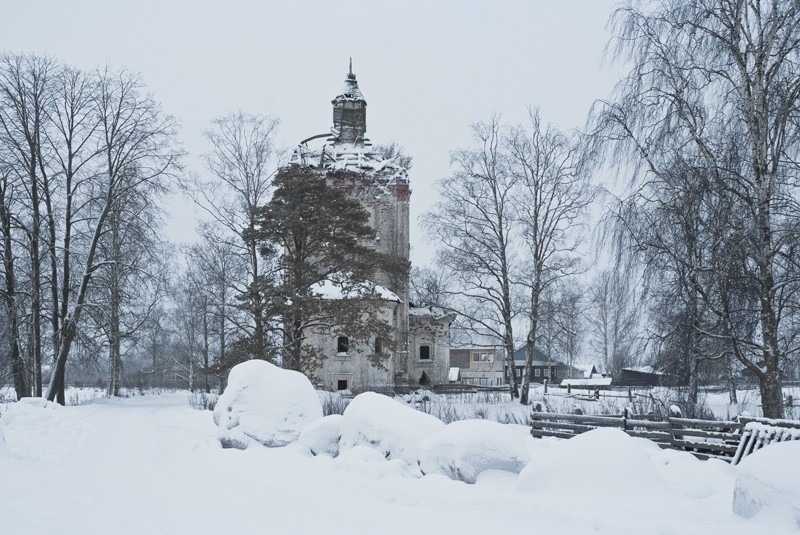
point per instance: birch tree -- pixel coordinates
(721, 79)
(553, 195)
(473, 224)
(242, 161)
(218, 271)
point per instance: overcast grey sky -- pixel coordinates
(427, 69)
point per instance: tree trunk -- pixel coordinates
(36, 294)
(55, 390)
(534, 319)
(730, 381)
(114, 351)
(21, 386)
(205, 343)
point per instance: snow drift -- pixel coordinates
(767, 482)
(3, 448)
(463, 449)
(607, 488)
(386, 425)
(266, 404)
(596, 468)
(322, 436)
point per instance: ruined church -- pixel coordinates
(381, 185)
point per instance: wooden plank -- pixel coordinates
(704, 424)
(745, 446)
(648, 424)
(795, 424)
(579, 428)
(702, 433)
(539, 433)
(723, 449)
(580, 418)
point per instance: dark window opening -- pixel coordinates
(378, 345)
(341, 384)
(342, 344)
(424, 352)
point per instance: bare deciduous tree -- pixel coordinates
(242, 161)
(720, 79)
(553, 195)
(136, 144)
(473, 224)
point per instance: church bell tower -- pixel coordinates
(350, 113)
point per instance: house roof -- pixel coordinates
(587, 369)
(521, 355)
(642, 369)
(595, 381)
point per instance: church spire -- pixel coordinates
(350, 112)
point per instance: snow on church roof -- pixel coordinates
(338, 153)
(351, 90)
(431, 312)
(329, 289)
(350, 157)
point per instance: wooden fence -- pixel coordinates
(703, 438)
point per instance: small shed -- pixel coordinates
(588, 370)
(645, 376)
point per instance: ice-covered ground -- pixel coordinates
(152, 464)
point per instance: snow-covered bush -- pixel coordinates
(389, 426)
(766, 481)
(333, 402)
(462, 450)
(322, 436)
(203, 401)
(266, 404)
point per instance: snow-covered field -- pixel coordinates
(152, 464)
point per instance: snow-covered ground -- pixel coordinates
(152, 464)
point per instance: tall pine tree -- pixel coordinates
(322, 238)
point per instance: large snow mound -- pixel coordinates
(3, 448)
(266, 404)
(594, 469)
(28, 408)
(463, 449)
(386, 425)
(767, 481)
(322, 436)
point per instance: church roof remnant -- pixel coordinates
(346, 149)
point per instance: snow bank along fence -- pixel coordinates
(729, 440)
